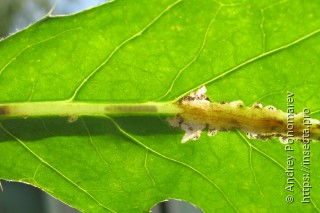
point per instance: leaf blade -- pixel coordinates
(177, 51)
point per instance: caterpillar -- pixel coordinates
(199, 113)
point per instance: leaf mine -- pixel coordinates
(4, 110)
(198, 113)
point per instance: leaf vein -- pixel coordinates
(146, 167)
(94, 145)
(53, 168)
(173, 160)
(252, 169)
(195, 57)
(251, 60)
(117, 48)
(32, 45)
(278, 164)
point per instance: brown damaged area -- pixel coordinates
(132, 109)
(4, 110)
(198, 113)
(257, 123)
(230, 118)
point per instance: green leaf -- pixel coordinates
(139, 51)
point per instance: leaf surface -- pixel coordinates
(139, 51)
